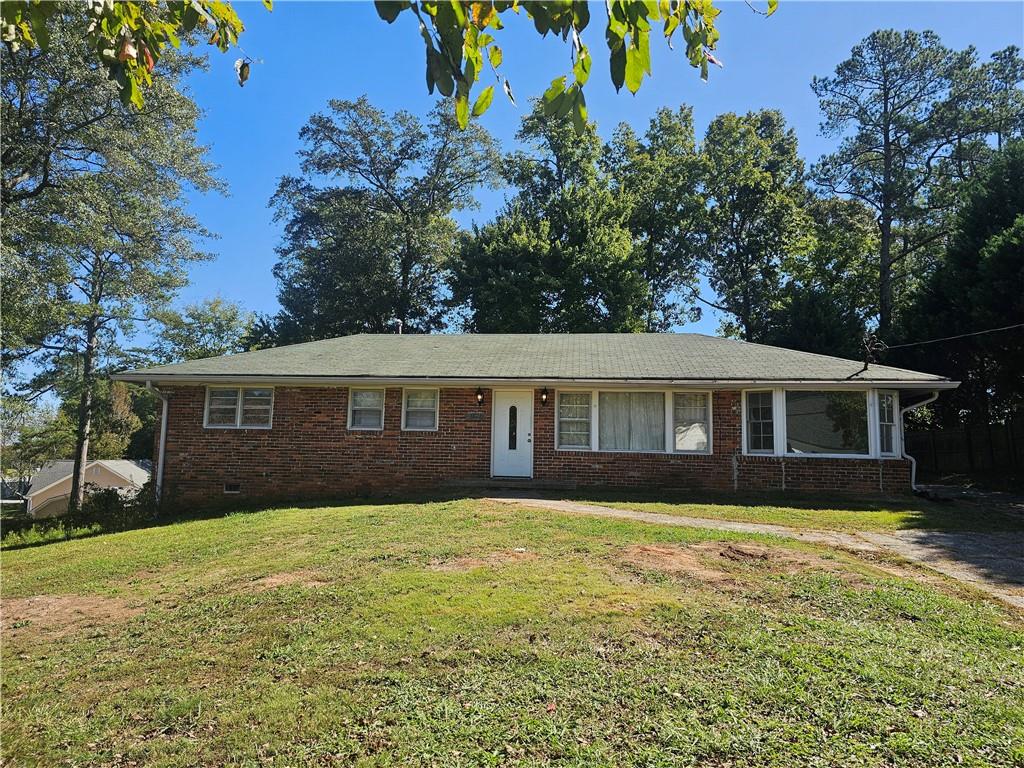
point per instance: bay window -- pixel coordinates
(631, 421)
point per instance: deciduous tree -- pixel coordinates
(582, 271)
(659, 178)
(368, 229)
(754, 218)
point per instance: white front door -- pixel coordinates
(512, 434)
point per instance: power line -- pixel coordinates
(959, 336)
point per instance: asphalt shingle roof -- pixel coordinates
(52, 471)
(582, 356)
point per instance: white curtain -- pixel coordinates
(631, 421)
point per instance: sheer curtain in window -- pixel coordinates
(631, 421)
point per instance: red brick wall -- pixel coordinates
(310, 453)
(726, 469)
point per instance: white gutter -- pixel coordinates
(903, 446)
(163, 440)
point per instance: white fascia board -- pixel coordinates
(346, 381)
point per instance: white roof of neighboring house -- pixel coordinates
(51, 473)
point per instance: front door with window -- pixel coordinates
(512, 434)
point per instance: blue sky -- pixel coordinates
(315, 51)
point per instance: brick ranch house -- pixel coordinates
(381, 413)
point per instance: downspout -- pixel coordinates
(163, 440)
(903, 446)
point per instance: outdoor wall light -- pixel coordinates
(479, 396)
(544, 396)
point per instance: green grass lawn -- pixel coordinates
(465, 633)
(835, 514)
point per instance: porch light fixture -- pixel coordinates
(479, 396)
(544, 396)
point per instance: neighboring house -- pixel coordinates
(12, 499)
(364, 414)
(50, 488)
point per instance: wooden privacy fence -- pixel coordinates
(989, 447)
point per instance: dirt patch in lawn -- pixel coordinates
(60, 615)
(288, 579)
(723, 564)
(493, 560)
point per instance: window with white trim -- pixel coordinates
(366, 409)
(760, 422)
(887, 423)
(691, 419)
(574, 420)
(826, 422)
(631, 421)
(239, 407)
(420, 410)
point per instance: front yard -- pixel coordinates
(471, 633)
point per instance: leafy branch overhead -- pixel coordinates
(128, 37)
(460, 44)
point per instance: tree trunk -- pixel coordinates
(885, 223)
(651, 299)
(84, 416)
(885, 275)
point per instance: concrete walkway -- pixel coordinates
(991, 562)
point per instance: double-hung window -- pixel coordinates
(574, 420)
(631, 421)
(691, 422)
(760, 422)
(366, 409)
(420, 410)
(239, 407)
(887, 423)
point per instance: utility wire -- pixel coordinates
(959, 336)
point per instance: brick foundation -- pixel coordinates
(309, 453)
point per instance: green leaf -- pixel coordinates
(557, 87)
(269, 4)
(462, 111)
(460, 14)
(580, 14)
(566, 102)
(37, 14)
(579, 113)
(618, 67)
(494, 54)
(554, 104)
(389, 9)
(581, 69)
(773, 5)
(483, 101)
(440, 72)
(634, 69)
